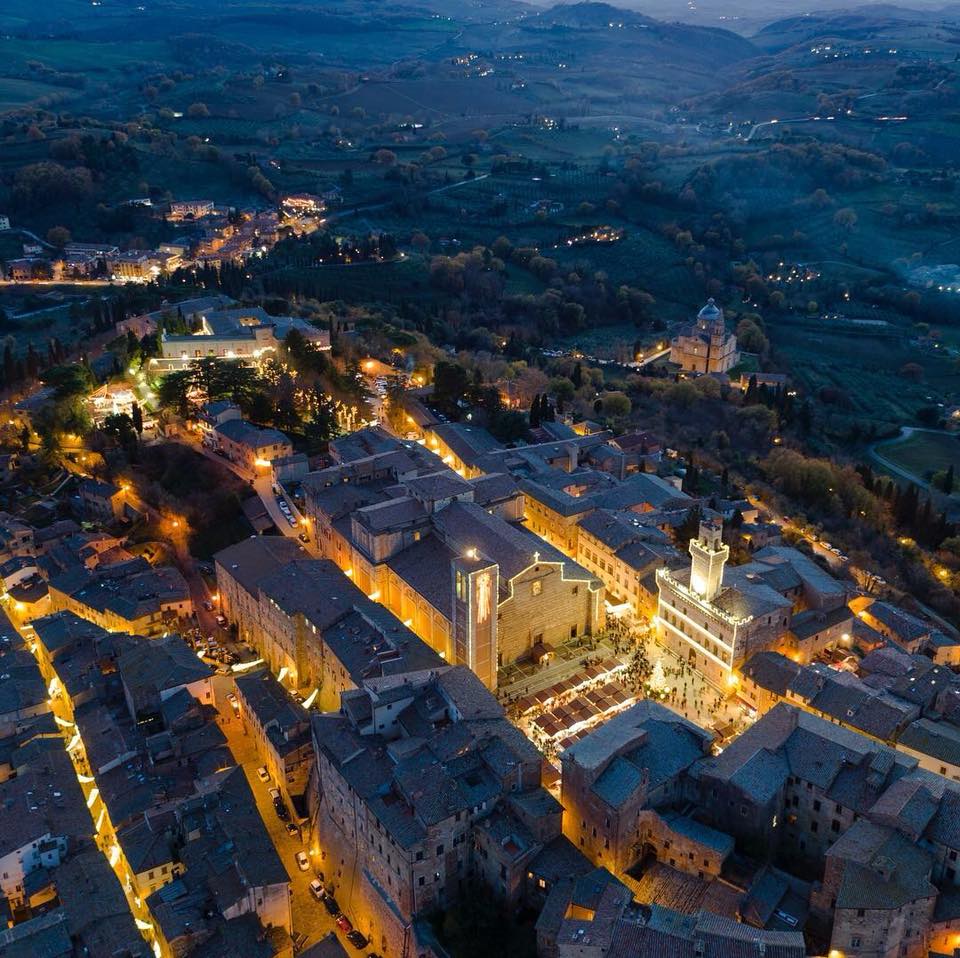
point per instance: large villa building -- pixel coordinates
(246, 333)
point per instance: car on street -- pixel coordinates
(292, 830)
(274, 794)
(317, 889)
(303, 861)
(263, 774)
(357, 939)
(232, 698)
(208, 605)
(303, 537)
(221, 621)
(343, 923)
(330, 903)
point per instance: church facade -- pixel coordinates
(705, 346)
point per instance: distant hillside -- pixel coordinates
(641, 37)
(860, 24)
(746, 17)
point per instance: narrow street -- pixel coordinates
(262, 485)
(310, 917)
(73, 745)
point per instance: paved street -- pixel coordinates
(694, 698)
(309, 916)
(262, 485)
(833, 560)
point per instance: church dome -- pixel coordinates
(710, 312)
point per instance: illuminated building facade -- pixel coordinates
(441, 553)
(706, 346)
(715, 618)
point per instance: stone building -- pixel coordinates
(310, 623)
(443, 554)
(705, 346)
(711, 622)
(877, 886)
(716, 616)
(611, 777)
(281, 731)
(423, 787)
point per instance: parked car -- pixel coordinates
(343, 923)
(274, 793)
(232, 698)
(357, 939)
(317, 889)
(281, 809)
(221, 621)
(263, 774)
(303, 537)
(330, 903)
(303, 861)
(293, 830)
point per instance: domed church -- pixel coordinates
(705, 346)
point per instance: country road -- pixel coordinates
(905, 433)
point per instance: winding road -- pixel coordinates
(900, 471)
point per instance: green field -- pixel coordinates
(924, 453)
(79, 55)
(16, 93)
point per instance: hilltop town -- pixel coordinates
(401, 671)
(478, 482)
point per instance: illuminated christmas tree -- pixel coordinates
(658, 679)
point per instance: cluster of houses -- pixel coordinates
(57, 891)
(818, 838)
(175, 818)
(828, 827)
(210, 235)
(61, 566)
